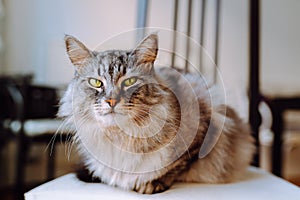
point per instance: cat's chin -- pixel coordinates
(116, 120)
(108, 120)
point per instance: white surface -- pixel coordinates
(36, 127)
(41, 126)
(256, 184)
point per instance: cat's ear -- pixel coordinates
(146, 51)
(78, 53)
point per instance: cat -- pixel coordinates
(142, 128)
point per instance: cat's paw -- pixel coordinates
(151, 187)
(85, 175)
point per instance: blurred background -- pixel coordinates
(34, 65)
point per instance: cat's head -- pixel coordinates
(114, 84)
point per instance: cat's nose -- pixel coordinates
(111, 102)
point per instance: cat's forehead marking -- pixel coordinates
(112, 64)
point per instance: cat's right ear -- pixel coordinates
(78, 53)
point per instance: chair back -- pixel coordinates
(21, 100)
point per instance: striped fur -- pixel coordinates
(151, 135)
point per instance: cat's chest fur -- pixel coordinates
(115, 166)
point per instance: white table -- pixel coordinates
(255, 185)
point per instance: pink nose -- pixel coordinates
(111, 102)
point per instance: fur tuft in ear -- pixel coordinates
(146, 51)
(78, 53)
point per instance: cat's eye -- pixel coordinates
(95, 82)
(130, 81)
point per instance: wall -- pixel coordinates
(280, 56)
(2, 24)
(35, 31)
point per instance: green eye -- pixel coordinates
(130, 81)
(95, 82)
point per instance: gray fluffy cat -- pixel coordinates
(142, 128)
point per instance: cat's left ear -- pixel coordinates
(146, 51)
(78, 53)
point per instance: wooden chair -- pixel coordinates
(254, 93)
(28, 113)
(278, 104)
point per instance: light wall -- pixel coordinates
(280, 56)
(35, 31)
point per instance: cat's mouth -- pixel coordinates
(112, 112)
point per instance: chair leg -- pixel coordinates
(277, 128)
(20, 166)
(51, 161)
